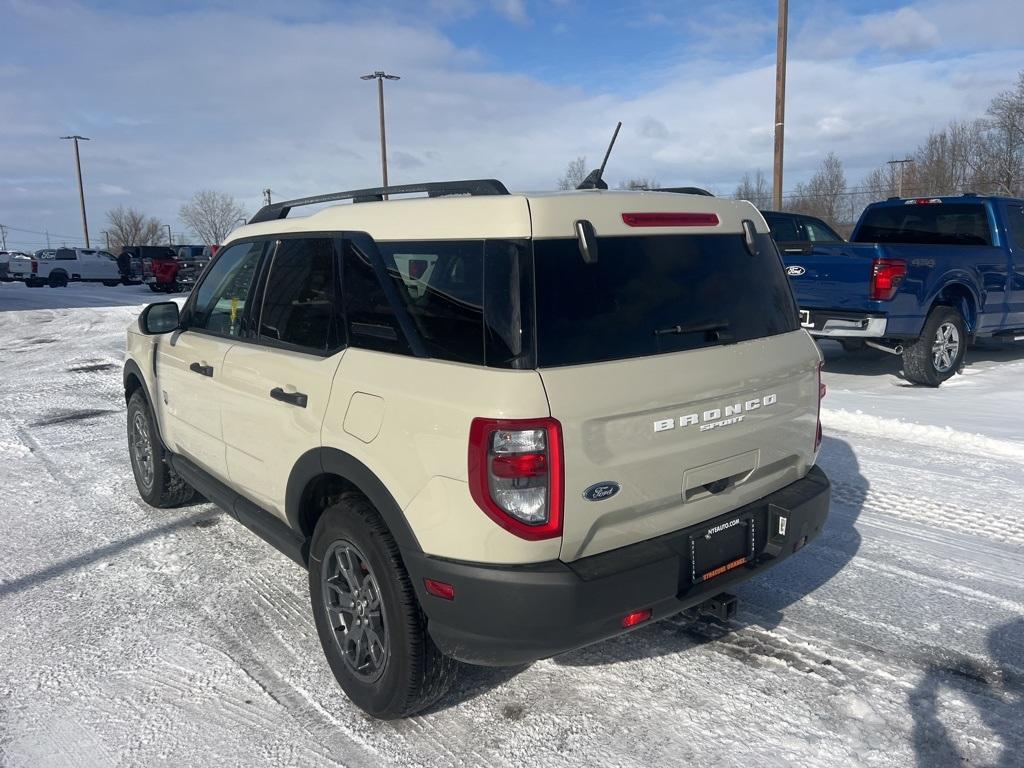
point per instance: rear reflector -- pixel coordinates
(439, 589)
(636, 617)
(670, 219)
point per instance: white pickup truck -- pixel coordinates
(68, 265)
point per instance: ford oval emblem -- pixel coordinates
(601, 491)
(795, 271)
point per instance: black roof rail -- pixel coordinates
(474, 187)
(684, 190)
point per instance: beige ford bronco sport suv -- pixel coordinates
(494, 427)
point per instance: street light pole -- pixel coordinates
(81, 191)
(170, 241)
(380, 77)
(780, 101)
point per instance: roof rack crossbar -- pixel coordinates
(474, 187)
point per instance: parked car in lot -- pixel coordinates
(170, 269)
(67, 265)
(494, 427)
(798, 232)
(919, 278)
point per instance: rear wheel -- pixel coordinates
(111, 283)
(369, 620)
(58, 280)
(159, 485)
(34, 283)
(155, 288)
(939, 352)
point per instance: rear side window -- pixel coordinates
(656, 294)
(300, 301)
(372, 322)
(783, 227)
(929, 224)
(819, 232)
(442, 287)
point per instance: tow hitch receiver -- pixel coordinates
(722, 607)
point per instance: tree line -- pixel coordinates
(209, 215)
(984, 156)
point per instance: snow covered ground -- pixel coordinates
(134, 636)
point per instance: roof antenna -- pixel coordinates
(594, 180)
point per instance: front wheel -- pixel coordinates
(369, 620)
(159, 485)
(111, 283)
(939, 352)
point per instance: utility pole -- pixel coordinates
(106, 234)
(380, 77)
(81, 191)
(47, 233)
(3, 236)
(900, 163)
(170, 240)
(266, 196)
(780, 101)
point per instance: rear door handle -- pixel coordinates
(292, 398)
(205, 370)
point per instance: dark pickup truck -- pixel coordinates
(919, 278)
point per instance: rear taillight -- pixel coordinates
(821, 396)
(886, 276)
(35, 267)
(516, 474)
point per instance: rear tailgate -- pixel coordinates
(687, 436)
(832, 276)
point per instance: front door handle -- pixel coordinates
(293, 398)
(205, 370)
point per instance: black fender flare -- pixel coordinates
(319, 461)
(131, 368)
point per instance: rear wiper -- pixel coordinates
(708, 328)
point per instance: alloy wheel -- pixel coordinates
(142, 449)
(354, 607)
(945, 347)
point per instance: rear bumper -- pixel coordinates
(831, 324)
(507, 615)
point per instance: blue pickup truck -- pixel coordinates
(919, 278)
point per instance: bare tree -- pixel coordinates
(211, 215)
(127, 226)
(756, 190)
(824, 195)
(1000, 164)
(575, 173)
(642, 183)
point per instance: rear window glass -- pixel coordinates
(656, 294)
(930, 224)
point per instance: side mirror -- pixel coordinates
(160, 318)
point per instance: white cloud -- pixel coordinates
(238, 102)
(906, 30)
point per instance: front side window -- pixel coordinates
(649, 295)
(221, 298)
(300, 302)
(819, 232)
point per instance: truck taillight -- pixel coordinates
(35, 267)
(822, 389)
(886, 276)
(516, 474)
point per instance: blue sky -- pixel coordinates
(181, 96)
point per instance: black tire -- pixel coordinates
(111, 283)
(852, 345)
(155, 288)
(58, 280)
(414, 673)
(34, 283)
(161, 486)
(939, 352)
